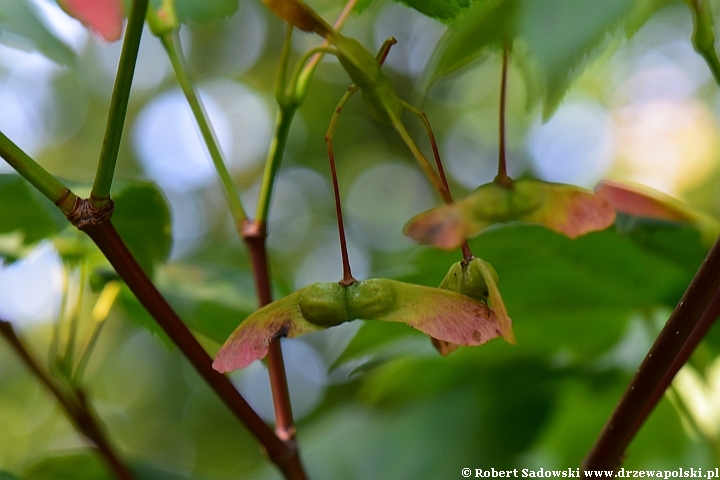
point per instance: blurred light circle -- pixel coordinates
(152, 62)
(383, 198)
(189, 222)
(66, 28)
(244, 39)
(467, 157)
(168, 142)
(667, 144)
(324, 262)
(248, 119)
(27, 114)
(575, 146)
(31, 289)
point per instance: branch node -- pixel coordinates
(250, 230)
(83, 213)
(62, 198)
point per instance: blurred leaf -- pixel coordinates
(581, 414)
(4, 475)
(551, 39)
(78, 466)
(514, 400)
(104, 17)
(22, 211)
(438, 9)
(361, 5)
(486, 23)
(137, 313)
(142, 219)
(212, 300)
(202, 11)
(559, 34)
(679, 244)
(641, 13)
(21, 27)
(372, 339)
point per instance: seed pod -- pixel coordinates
(370, 299)
(475, 284)
(569, 210)
(443, 314)
(324, 304)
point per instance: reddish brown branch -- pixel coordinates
(347, 279)
(698, 333)
(77, 409)
(255, 236)
(687, 324)
(283, 454)
(502, 176)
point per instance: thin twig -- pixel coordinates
(77, 409)
(347, 279)
(502, 177)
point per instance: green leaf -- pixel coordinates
(21, 27)
(550, 39)
(561, 33)
(486, 23)
(78, 466)
(5, 475)
(438, 9)
(21, 211)
(202, 11)
(142, 219)
(374, 339)
(137, 313)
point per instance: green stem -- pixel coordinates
(303, 79)
(38, 177)
(290, 95)
(100, 194)
(703, 37)
(171, 42)
(274, 158)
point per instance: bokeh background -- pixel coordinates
(646, 109)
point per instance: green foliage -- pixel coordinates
(551, 40)
(23, 211)
(439, 9)
(371, 400)
(21, 27)
(142, 219)
(202, 11)
(78, 466)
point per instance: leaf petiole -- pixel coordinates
(171, 42)
(100, 195)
